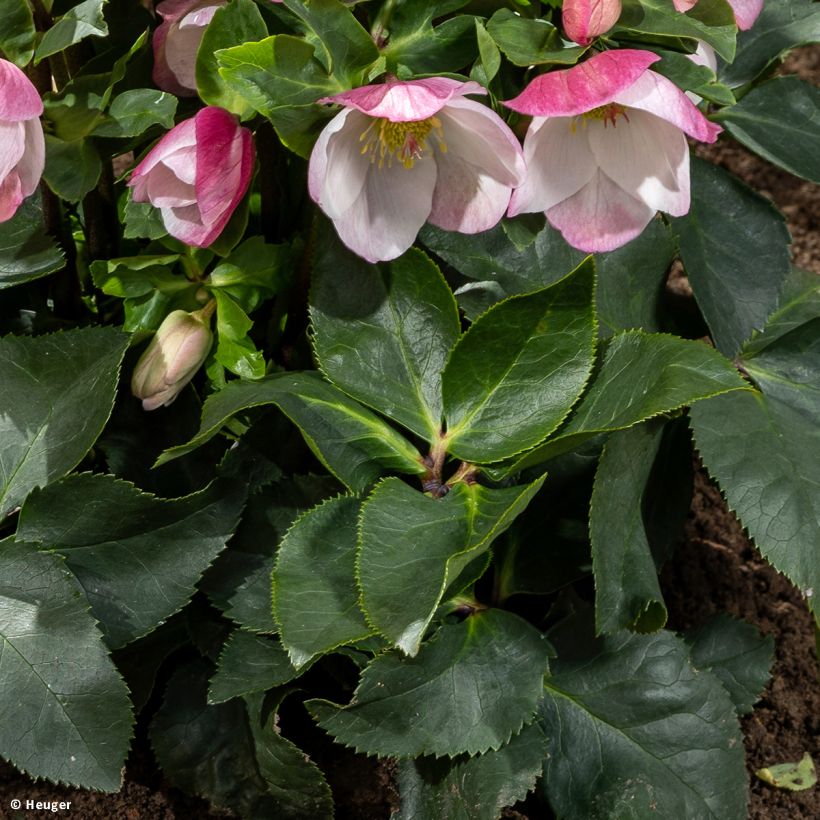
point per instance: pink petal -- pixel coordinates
(684, 5)
(30, 167)
(746, 12)
(200, 17)
(185, 223)
(175, 48)
(660, 96)
(12, 146)
(401, 101)
(19, 99)
(180, 137)
(180, 55)
(465, 198)
(393, 205)
(161, 74)
(173, 10)
(600, 217)
(645, 156)
(595, 82)
(166, 190)
(11, 195)
(584, 20)
(559, 163)
(476, 133)
(347, 167)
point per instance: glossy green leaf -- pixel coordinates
(142, 219)
(72, 168)
(735, 247)
(795, 777)
(234, 348)
(526, 41)
(17, 35)
(354, 444)
(58, 393)
(782, 25)
(489, 57)
(515, 374)
(315, 596)
(691, 76)
(471, 788)
(639, 376)
(240, 21)
(72, 716)
(635, 731)
(627, 590)
(138, 557)
(81, 21)
(409, 540)
(780, 120)
(26, 251)
(249, 663)
(735, 653)
(712, 22)
(383, 333)
(468, 691)
(135, 111)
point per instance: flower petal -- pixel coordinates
(166, 190)
(185, 223)
(593, 83)
(180, 137)
(645, 156)
(684, 5)
(347, 167)
(476, 133)
(746, 12)
(30, 167)
(393, 205)
(180, 54)
(660, 96)
(559, 163)
(19, 99)
(401, 101)
(600, 217)
(11, 195)
(583, 20)
(12, 146)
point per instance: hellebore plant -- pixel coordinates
(422, 456)
(746, 11)
(404, 153)
(196, 175)
(607, 148)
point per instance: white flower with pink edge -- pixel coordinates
(607, 148)
(404, 153)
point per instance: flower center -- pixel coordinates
(608, 113)
(384, 139)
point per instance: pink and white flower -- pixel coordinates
(196, 175)
(176, 42)
(607, 148)
(746, 11)
(405, 153)
(584, 20)
(22, 148)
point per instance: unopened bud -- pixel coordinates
(177, 351)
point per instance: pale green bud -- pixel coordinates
(177, 351)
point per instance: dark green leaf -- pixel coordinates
(527, 41)
(735, 248)
(249, 663)
(137, 556)
(382, 334)
(18, 33)
(711, 21)
(83, 20)
(639, 376)
(634, 731)
(353, 443)
(735, 653)
(238, 22)
(26, 251)
(469, 690)
(471, 788)
(315, 595)
(134, 112)
(783, 24)
(518, 370)
(57, 678)
(234, 348)
(142, 219)
(72, 168)
(489, 57)
(780, 120)
(58, 393)
(691, 76)
(409, 540)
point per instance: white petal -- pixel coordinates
(393, 205)
(559, 163)
(647, 157)
(166, 190)
(347, 167)
(30, 167)
(12, 146)
(181, 47)
(466, 199)
(183, 163)
(600, 217)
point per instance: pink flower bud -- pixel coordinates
(196, 175)
(22, 148)
(176, 42)
(176, 352)
(584, 20)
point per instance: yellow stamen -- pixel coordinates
(608, 113)
(384, 139)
